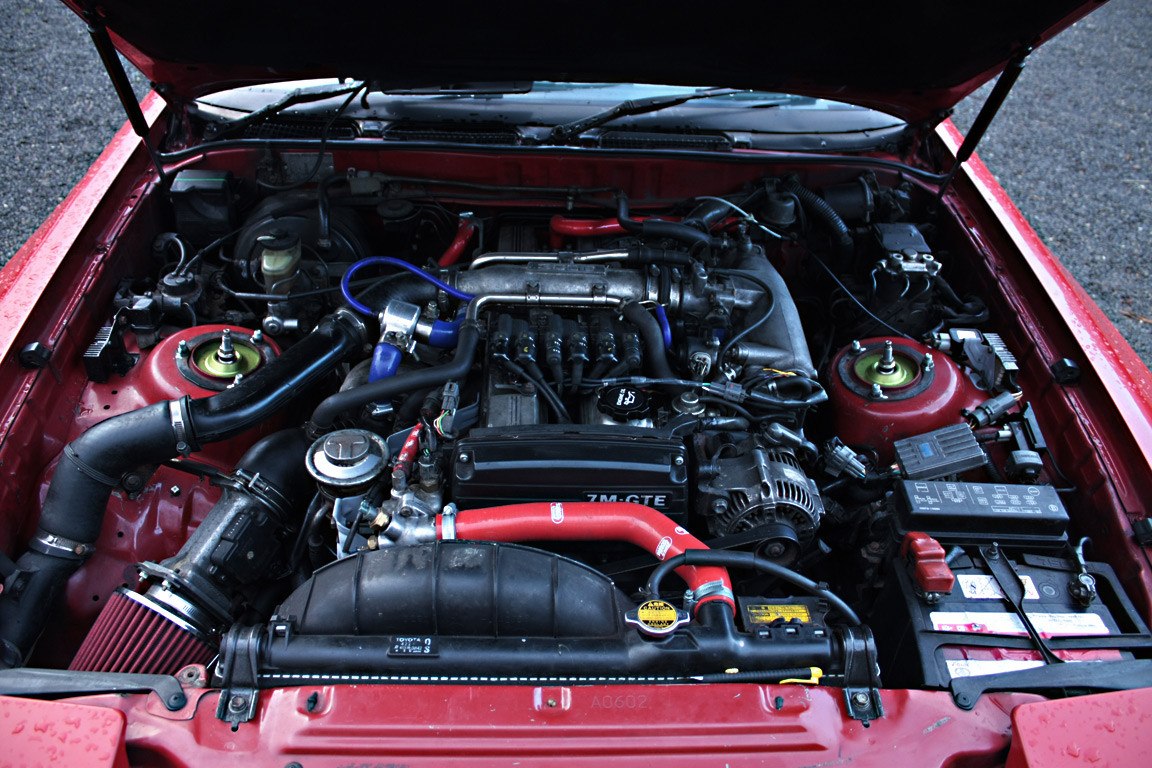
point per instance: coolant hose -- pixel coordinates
(819, 208)
(459, 243)
(330, 409)
(591, 521)
(98, 461)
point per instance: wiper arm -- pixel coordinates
(54, 683)
(561, 134)
(291, 99)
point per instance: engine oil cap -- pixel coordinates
(657, 618)
(623, 403)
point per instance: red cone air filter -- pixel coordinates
(130, 636)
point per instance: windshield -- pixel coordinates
(529, 111)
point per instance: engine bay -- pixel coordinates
(383, 427)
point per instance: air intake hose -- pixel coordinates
(95, 463)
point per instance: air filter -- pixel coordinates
(135, 634)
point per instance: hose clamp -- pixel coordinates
(711, 590)
(448, 522)
(60, 546)
(178, 413)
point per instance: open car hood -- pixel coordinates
(908, 58)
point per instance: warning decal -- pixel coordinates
(1047, 624)
(979, 586)
(766, 614)
(657, 614)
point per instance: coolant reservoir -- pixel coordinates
(888, 388)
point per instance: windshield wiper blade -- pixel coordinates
(290, 99)
(561, 134)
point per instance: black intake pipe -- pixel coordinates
(129, 447)
(331, 408)
(672, 230)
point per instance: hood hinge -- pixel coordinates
(991, 106)
(99, 34)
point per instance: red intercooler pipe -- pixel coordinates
(591, 521)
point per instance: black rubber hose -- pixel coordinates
(726, 558)
(273, 386)
(406, 287)
(818, 207)
(647, 255)
(707, 215)
(653, 337)
(331, 408)
(97, 462)
(673, 230)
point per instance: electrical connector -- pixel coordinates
(839, 460)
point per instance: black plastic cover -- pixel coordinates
(457, 588)
(202, 201)
(613, 464)
(982, 512)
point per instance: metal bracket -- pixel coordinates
(1096, 676)
(1012, 587)
(239, 667)
(49, 683)
(861, 675)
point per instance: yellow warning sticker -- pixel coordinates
(766, 614)
(656, 614)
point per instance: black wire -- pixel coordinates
(737, 409)
(868, 312)
(550, 396)
(323, 144)
(759, 322)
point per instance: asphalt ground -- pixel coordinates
(1070, 145)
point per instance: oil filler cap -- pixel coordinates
(623, 403)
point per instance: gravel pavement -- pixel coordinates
(1071, 144)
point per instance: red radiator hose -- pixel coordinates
(456, 249)
(592, 521)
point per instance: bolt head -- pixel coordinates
(860, 699)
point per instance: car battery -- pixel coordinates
(929, 638)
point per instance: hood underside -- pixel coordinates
(908, 58)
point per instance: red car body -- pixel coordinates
(55, 293)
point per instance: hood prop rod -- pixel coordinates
(99, 34)
(988, 111)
